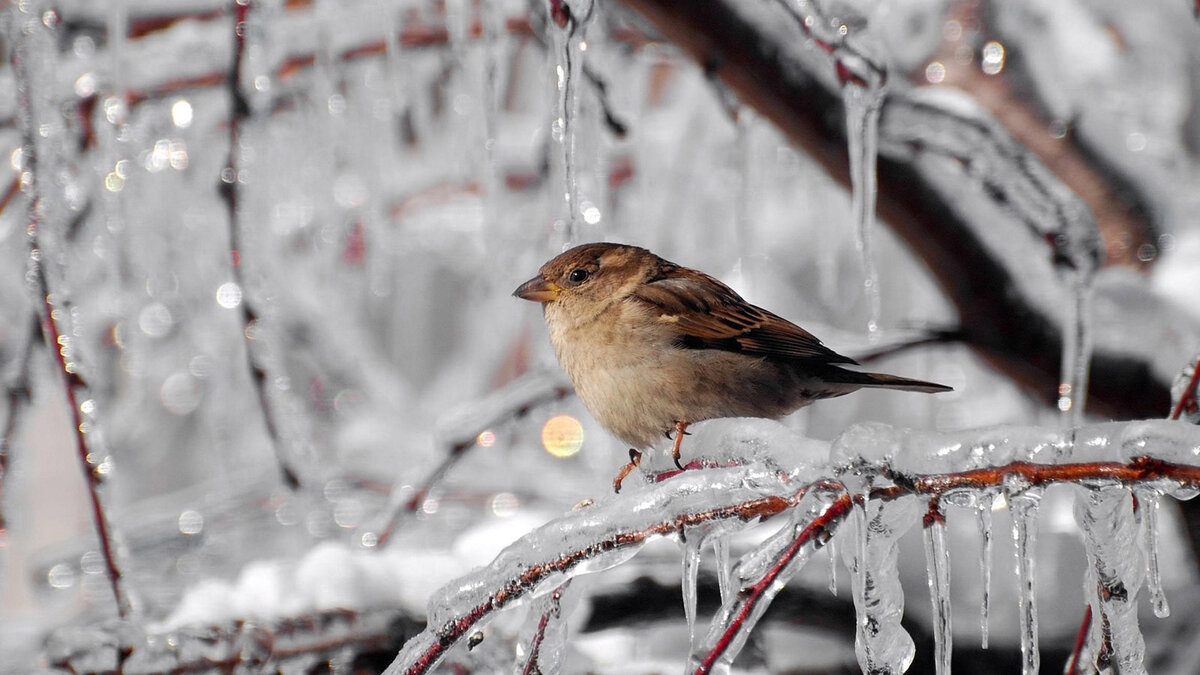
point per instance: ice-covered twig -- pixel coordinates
(552, 613)
(1184, 394)
(610, 531)
(231, 193)
(237, 645)
(594, 538)
(33, 67)
(458, 430)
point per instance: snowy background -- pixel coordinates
(400, 166)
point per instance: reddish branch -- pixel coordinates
(1187, 400)
(52, 311)
(818, 531)
(1004, 325)
(532, 667)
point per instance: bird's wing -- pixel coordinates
(707, 314)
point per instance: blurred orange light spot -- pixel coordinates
(562, 436)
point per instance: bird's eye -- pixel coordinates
(577, 275)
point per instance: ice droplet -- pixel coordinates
(1148, 502)
(937, 565)
(1024, 507)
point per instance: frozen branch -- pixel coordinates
(53, 308)
(1158, 455)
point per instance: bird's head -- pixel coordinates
(586, 279)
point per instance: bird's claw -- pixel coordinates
(635, 458)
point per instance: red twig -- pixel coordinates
(749, 597)
(1187, 400)
(58, 340)
(1080, 641)
(535, 645)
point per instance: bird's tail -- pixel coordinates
(885, 381)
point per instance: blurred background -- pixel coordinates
(279, 262)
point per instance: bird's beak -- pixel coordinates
(538, 289)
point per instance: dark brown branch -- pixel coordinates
(230, 191)
(1006, 326)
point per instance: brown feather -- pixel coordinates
(710, 315)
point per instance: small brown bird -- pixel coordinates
(652, 346)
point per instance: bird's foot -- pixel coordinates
(680, 432)
(635, 458)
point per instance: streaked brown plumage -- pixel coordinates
(649, 344)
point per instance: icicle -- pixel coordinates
(881, 643)
(720, 546)
(863, 102)
(568, 68)
(937, 565)
(691, 570)
(1077, 351)
(1024, 508)
(985, 564)
(1148, 501)
(832, 548)
(1116, 568)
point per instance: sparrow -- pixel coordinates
(652, 346)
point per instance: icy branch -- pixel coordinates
(610, 531)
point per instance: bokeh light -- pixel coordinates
(562, 436)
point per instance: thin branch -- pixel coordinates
(53, 309)
(231, 191)
(458, 431)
